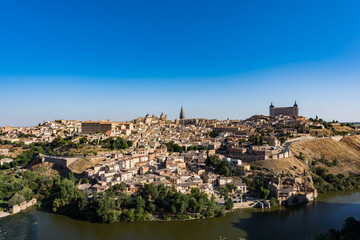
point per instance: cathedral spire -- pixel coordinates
(182, 115)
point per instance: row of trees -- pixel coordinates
(110, 143)
(196, 148)
(256, 140)
(325, 181)
(173, 147)
(114, 205)
(327, 125)
(24, 135)
(115, 144)
(62, 196)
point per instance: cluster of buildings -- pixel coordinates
(292, 190)
(147, 160)
(42, 133)
(183, 171)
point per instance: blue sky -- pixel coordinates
(122, 59)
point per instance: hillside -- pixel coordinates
(49, 169)
(346, 151)
(320, 152)
(339, 128)
(15, 151)
(83, 150)
(292, 165)
(84, 163)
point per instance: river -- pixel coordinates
(329, 210)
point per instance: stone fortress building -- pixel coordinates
(284, 111)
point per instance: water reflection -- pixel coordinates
(278, 223)
(18, 227)
(302, 222)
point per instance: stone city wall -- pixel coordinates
(62, 161)
(23, 206)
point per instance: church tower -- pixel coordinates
(271, 110)
(182, 115)
(295, 110)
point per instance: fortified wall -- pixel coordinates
(261, 155)
(23, 206)
(62, 161)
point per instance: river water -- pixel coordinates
(329, 210)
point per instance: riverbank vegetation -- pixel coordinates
(16, 187)
(325, 181)
(349, 231)
(151, 202)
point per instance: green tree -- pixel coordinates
(16, 199)
(130, 215)
(151, 207)
(265, 193)
(212, 161)
(224, 169)
(224, 192)
(83, 140)
(229, 204)
(129, 143)
(214, 134)
(273, 202)
(140, 203)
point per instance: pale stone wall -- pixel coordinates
(62, 161)
(23, 205)
(336, 138)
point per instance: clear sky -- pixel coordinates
(219, 59)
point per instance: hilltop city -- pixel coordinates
(235, 163)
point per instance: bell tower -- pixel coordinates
(182, 114)
(295, 110)
(271, 110)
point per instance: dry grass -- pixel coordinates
(49, 169)
(291, 165)
(321, 132)
(14, 150)
(347, 151)
(339, 128)
(82, 150)
(83, 163)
